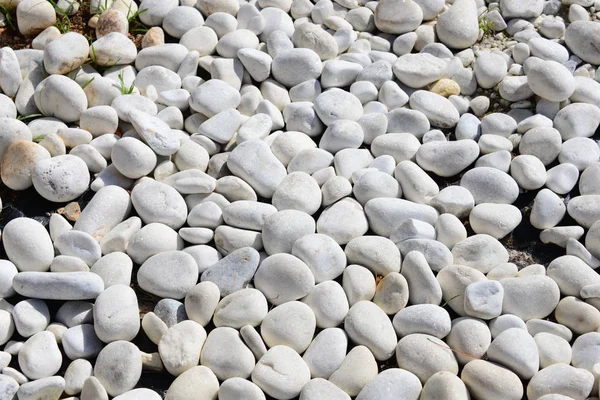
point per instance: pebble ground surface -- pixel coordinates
(299, 199)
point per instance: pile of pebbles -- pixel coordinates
(315, 192)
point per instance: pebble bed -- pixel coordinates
(317, 196)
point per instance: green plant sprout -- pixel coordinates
(486, 25)
(135, 24)
(8, 18)
(63, 22)
(123, 87)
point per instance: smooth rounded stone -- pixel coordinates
(9, 386)
(337, 104)
(294, 66)
(152, 239)
(244, 307)
(40, 357)
(516, 349)
(392, 293)
(547, 211)
(30, 317)
(116, 314)
(58, 286)
(376, 184)
(155, 132)
(233, 272)
(282, 229)
(140, 393)
(291, 324)
(439, 111)
(449, 230)
(528, 171)
(46, 388)
(281, 373)
(551, 81)
(378, 254)
(263, 171)
(579, 151)
(427, 319)
(489, 144)
(237, 388)
(459, 35)
(235, 189)
(561, 379)
(489, 69)
(73, 313)
(481, 251)
(422, 285)
(541, 142)
(79, 244)
(158, 202)
(19, 161)
(343, 221)
(585, 351)
(153, 277)
(326, 352)
(298, 191)
(496, 220)
(552, 349)
(530, 297)
(418, 70)
(201, 302)
(584, 210)
(484, 299)
(498, 124)
(329, 303)
(357, 369)
(253, 340)
(133, 158)
(342, 134)
(226, 355)
(214, 96)
(560, 235)
(81, 342)
(12, 130)
(114, 269)
(589, 182)
(154, 327)
(358, 283)
(446, 385)
(8, 270)
(577, 315)
(398, 17)
(170, 311)
(424, 355)
(181, 345)
(384, 214)
(198, 383)
(367, 324)
(486, 380)
(454, 200)
(571, 274)
(118, 367)
(246, 214)
(61, 178)
(535, 326)
(447, 158)
(76, 374)
(489, 185)
(283, 277)
(60, 97)
(92, 157)
(28, 245)
(581, 38)
(323, 256)
(229, 239)
(393, 383)
(112, 49)
(453, 280)
(436, 253)
(316, 388)
(401, 146)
